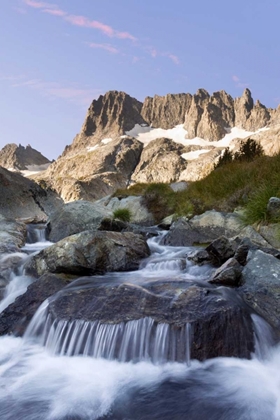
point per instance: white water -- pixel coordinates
(44, 383)
(17, 281)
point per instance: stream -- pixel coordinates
(88, 370)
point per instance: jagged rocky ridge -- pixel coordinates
(20, 158)
(107, 153)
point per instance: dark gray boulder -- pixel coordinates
(229, 274)
(220, 325)
(261, 289)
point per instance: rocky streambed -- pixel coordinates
(111, 323)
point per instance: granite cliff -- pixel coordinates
(165, 139)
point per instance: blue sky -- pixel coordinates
(56, 57)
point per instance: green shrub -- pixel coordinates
(256, 208)
(123, 214)
(249, 150)
(225, 158)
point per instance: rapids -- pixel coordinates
(72, 371)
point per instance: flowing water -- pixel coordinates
(81, 370)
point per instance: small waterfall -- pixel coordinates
(263, 334)
(36, 233)
(136, 340)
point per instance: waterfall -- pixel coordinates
(36, 233)
(136, 340)
(263, 335)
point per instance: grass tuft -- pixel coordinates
(123, 214)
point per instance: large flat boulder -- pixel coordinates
(215, 324)
(90, 253)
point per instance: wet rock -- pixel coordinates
(76, 217)
(220, 325)
(261, 289)
(229, 274)
(200, 257)
(90, 253)
(221, 250)
(16, 317)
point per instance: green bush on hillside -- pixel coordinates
(249, 150)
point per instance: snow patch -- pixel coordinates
(106, 141)
(178, 134)
(195, 154)
(90, 149)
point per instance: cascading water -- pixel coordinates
(16, 282)
(87, 370)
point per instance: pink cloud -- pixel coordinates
(174, 58)
(55, 12)
(54, 90)
(239, 83)
(155, 53)
(39, 4)
(106, 47)
(77, 20)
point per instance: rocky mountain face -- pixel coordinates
(109, 152)
(166, 111)
(21, 158)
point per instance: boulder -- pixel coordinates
(229, 274)
(76, 217)
(182, 233)
(16, 317)
(220, 326)
(23, 198)
(139, 212)
(202, 229)
(271, 233)
(221, 249)
(273, 207)
(12, 235)
(261, 289)
(90, 252)
(250, 233)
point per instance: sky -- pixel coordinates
(56, 57)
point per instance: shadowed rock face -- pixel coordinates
(166, 111)
(19, 157)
